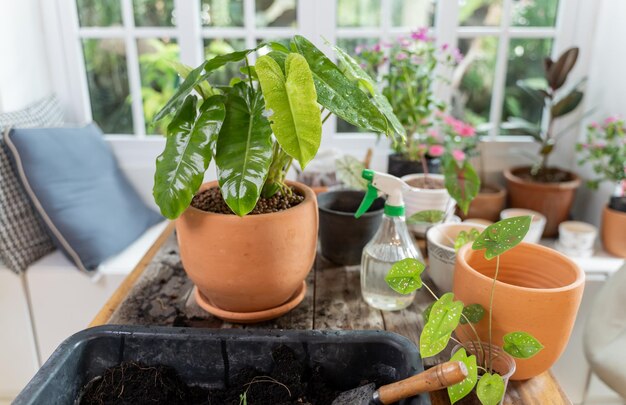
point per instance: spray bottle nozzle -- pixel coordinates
(387, 184)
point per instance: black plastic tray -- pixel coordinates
(207, 357)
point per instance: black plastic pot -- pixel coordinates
(208, 357)
(398, 165)
(618, 203)
(342, 236)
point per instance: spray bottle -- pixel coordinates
(391, 243)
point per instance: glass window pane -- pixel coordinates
(154, 13)
(413, 13)
(221, 13)
(98, 13)
(525, 62)
(534, 13)
(473, 13)
(217, 46)
(473, 79)
(276, 13)
(358, 13)
(159, 79)
(107, 78)
(350, 45)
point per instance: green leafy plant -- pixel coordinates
(557, 103)
(254, 128)
(426, 217)
(465, 237)
(605, 150)
(443, 317)
(349, 170)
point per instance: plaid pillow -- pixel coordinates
(23, 235)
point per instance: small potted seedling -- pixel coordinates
(605, 150)
(488, 362)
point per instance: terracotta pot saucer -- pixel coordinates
(251, 317)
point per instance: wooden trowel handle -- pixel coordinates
(441, 376)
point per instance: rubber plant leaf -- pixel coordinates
(521, 345)
(197, 76)
(244, 149)
(567, 104)
(188, 151)
(462, 182)
(337, 93)
(503, 235)
(460, 390)
(405, 275)
(473, 312)
(490, 389)
(292, 99)
(426, 217)
(348, 171)
(559, 70)
(443, 320)
(354, 71)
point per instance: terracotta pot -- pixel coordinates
(538, 291)
(251, 263)
(614, 231)
(554, 200)
(487, 204)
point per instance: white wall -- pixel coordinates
(24, 73)
(606, 92)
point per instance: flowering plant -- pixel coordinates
(407, 71)
(605, 149)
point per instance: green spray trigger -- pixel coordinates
(370, 196)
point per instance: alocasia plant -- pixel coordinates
(443, 317)
(254, 128)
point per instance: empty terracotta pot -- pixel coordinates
(554, 200)
(251, 263)
(487, 204)
(538, 291)
(614, 231)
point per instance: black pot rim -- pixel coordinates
(344, 213)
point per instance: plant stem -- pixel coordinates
(326, 117)
(493, 289)
(249, 73)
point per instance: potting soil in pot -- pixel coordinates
(427, 183)
(290, 382)
(211, 200)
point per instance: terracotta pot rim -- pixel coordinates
(412, 176)
(571, 184)
(614, 211)
(580, 276)
(500, 191)
(309, 196)
(344, 213)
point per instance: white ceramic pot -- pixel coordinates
(421, 199)
(576, 239)
(536, 226)
(441, 255)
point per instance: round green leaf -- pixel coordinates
(426, 312)
(521, 345)
(442, 321)
(460, 390)
(502, 236)
(490, 389)
(473, 312)
(404, 276)
(426, 217)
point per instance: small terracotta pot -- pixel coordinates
(614, 231)
(251, 263)
(554, 200)
(538, 291)
(487, 204)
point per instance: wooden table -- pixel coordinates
(158, 292)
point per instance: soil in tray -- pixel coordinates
(211, 200)
(290, 382)
(427, 183)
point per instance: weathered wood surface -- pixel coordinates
(159, 293)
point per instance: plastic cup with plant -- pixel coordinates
(444, 316)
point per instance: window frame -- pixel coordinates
(315, 19)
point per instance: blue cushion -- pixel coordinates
(75, 183)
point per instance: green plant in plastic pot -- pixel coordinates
(254, 128)
(443, 317)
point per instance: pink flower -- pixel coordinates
(594, 125)
(610, 120)
(458, 155)
(466, 131)
(401, 56)
(444, 47)
(376, 48)
(599, 144)
(404, 42)
(358, 49)
(450, 120)
(435, 150)
(457, 55)
(421, 34)
(433, 133)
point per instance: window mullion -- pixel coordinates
(499, 82)
(189, 31)
(446, 25)
(132, 63)
(249, 18)
(325, 18)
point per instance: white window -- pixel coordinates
(115, 52)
